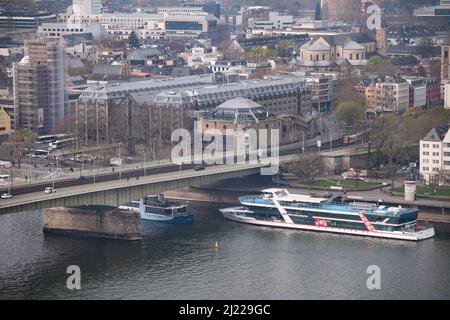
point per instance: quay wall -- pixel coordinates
(92, 221)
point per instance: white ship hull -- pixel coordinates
(235, 214)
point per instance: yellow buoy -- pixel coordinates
(216, 245)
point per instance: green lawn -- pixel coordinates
(428, 190)
(326, 183)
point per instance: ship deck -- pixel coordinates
(330, 205)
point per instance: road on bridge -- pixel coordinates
(116, 175)
(65, 194)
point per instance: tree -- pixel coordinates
(350, 111)
(134, 40)
(284, 48)
(375, 60)
(259, 53)
(21, 139)
(444, 177)
(307, 167)
(393, 139)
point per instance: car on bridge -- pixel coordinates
(199, 168)
(49, 190)
(6, 196)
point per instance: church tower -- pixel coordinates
(381, 37)
(445, 60)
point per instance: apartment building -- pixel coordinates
(321, 87)
(5, 124)
(392, 95)
(417, 92)
(371, 97)
(435, 155)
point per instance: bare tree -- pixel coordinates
(21, 140)
(307, 167)
(393, 140)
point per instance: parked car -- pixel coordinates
(49, 190)
(7, 196)
(199, 168)
(351, 175)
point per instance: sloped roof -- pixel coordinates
(107, 69)
(352, 45)
(238, 103)
(437, 133)
(318, 46)
(144, 53)
(239, 108)
(74, 63)
(343, 39)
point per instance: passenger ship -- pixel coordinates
(156, 208)
(279, 208)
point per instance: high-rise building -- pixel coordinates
(87, 6)
(40, 99)
(346, 10)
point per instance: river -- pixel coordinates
(179, 262)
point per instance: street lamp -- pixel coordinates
(303, 141)
(145, 164)
(94, 167)
(120, 162)
(29, 170)
(82, 161)
(9, 182)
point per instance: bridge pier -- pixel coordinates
(92, 221)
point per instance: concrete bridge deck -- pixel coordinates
(119, 192)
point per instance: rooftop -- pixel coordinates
(239, 109)
(120, 90)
